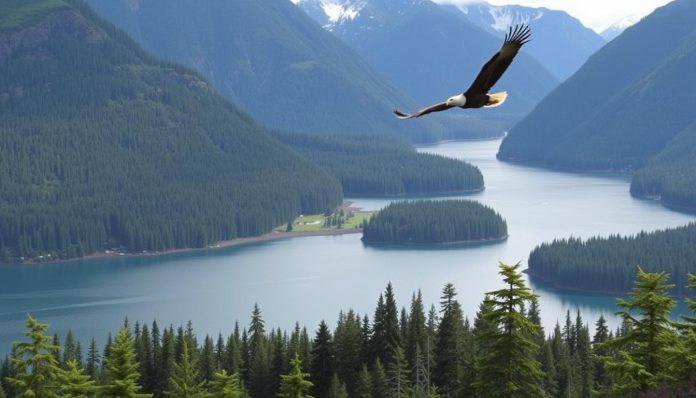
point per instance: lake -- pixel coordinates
(313, 278)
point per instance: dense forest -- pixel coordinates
(646, 126)
(103, 146)
(439, 221)
(611, 264)
(502, 351)
(381, 166)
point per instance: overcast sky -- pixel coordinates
(596, 14)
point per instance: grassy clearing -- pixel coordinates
(318, 222)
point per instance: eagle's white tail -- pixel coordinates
(496, 99)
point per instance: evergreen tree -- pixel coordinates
(74, 383)
(121, 369)
(398, 375)
(321, 367)
(510, 369)
(34, 363)
(417, 334)
(337, 388)
(295, 384)
(207, 361)
(184, 380)
(165, 366)
(70, 351)
(639, 359)
(143, 350)
(363, 386)
(447, 373)
(348, 349)
(226, 385)
(279, 362)
(380, 387)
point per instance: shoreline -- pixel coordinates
(438, 244)
(267, 237)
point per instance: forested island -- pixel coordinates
(501, 351)
(610, 265)
(435, 222)
(385, 166)
(103, 146)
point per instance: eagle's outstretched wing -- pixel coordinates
(433, 108)
(496, 66)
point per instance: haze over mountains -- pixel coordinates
(630, 106)
(271, 60)
(432, 52)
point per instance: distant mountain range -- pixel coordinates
(273, 61)
(431, 52)
(630, 107)
(103, 146)
(560, 42)
(617, 28)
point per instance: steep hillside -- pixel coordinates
(103, 146)
(432, 53)
(625, 105)
(271, 60)
(561, 43)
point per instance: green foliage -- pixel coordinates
(121, 369)
(184, 380)
(34, 363)
(429, 222)
(640, 359)
(104, 147)
(380, 166)
(226, 385)
(294, 384)
(609, 264)
(510, 368)
(73, 382)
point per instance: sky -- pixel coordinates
(595, 14)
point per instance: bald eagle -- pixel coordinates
(477, 95)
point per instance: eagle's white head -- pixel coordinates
(457, 100)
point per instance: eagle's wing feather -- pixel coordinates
(496, 66)
(433, 108)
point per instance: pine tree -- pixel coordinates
(34, 363)
(398, 375)
(348, 349)
(337, 388)
(165, 366)
(447, 374)
(417, 334)
(510, 369)
(639, 359)
(363, 386)
(184, 380)
(206, 363)
(226, 385)
(380, 388)
(69, 350)
(74, 383)
(321, 368)
(295, 384)
(121, 369)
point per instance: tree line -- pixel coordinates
(413, 352)
(439, 221)
(608, 264)
(102, 146)
(384, 166)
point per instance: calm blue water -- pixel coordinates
(313, 278)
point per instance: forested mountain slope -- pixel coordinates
(271, 60)
(625, 105)
(101, 145)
